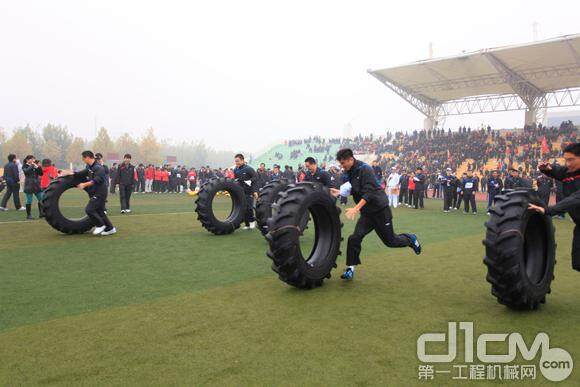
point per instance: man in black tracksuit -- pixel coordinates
(315, 174)
(246, 178)
(544, 188)
(125, 177)
(446, 182)
(263, 177)
(420, 180)
(12, 180)
(469, 187)
(570, 178)
(96, 187)
(494, 187)
(404, 190)
(455, 188)
(514, 180)
(113, 177)
(375, 213)
(140, 186)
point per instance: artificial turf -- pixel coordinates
(164, 302)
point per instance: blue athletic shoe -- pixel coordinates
(348, 274)
(415, 245)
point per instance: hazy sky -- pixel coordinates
(242, 74)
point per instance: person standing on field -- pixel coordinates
(392, 187)
(126, 179)
(32, 173)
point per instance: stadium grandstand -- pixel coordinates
(480, 150)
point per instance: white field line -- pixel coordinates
(112, 216)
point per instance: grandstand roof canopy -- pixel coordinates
(548, 65)
(531, 77)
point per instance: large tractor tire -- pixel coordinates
(269, 194)
(284, 231)
(53, 215)
(519, 251)
(204, 205)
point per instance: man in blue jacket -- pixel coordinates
(373, 206)
(12, 180)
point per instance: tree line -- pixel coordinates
(57, 143)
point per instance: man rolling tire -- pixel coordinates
(246, 178)
(570, 178)
(375, 213)
(96, 187)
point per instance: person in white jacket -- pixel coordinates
(393, 187)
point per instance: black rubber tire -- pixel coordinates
(204, 205)
(285, 230)
(520, 251)
(52, 213)
(268, 195)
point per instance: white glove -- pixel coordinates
(345, 189)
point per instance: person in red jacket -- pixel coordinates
(157, 177)
(411, 201)
(49, 173)
(192, 179)
(149, 177)
(164, 180)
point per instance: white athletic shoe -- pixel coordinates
(245, 228)
(99, 230)
(3, 209)
(110, 232)
(122, 211)
(127, 211)
(253, 225)
(22, 209)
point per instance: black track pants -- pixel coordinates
(382, 223)
(96, 211)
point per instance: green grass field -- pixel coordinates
(164, 302)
